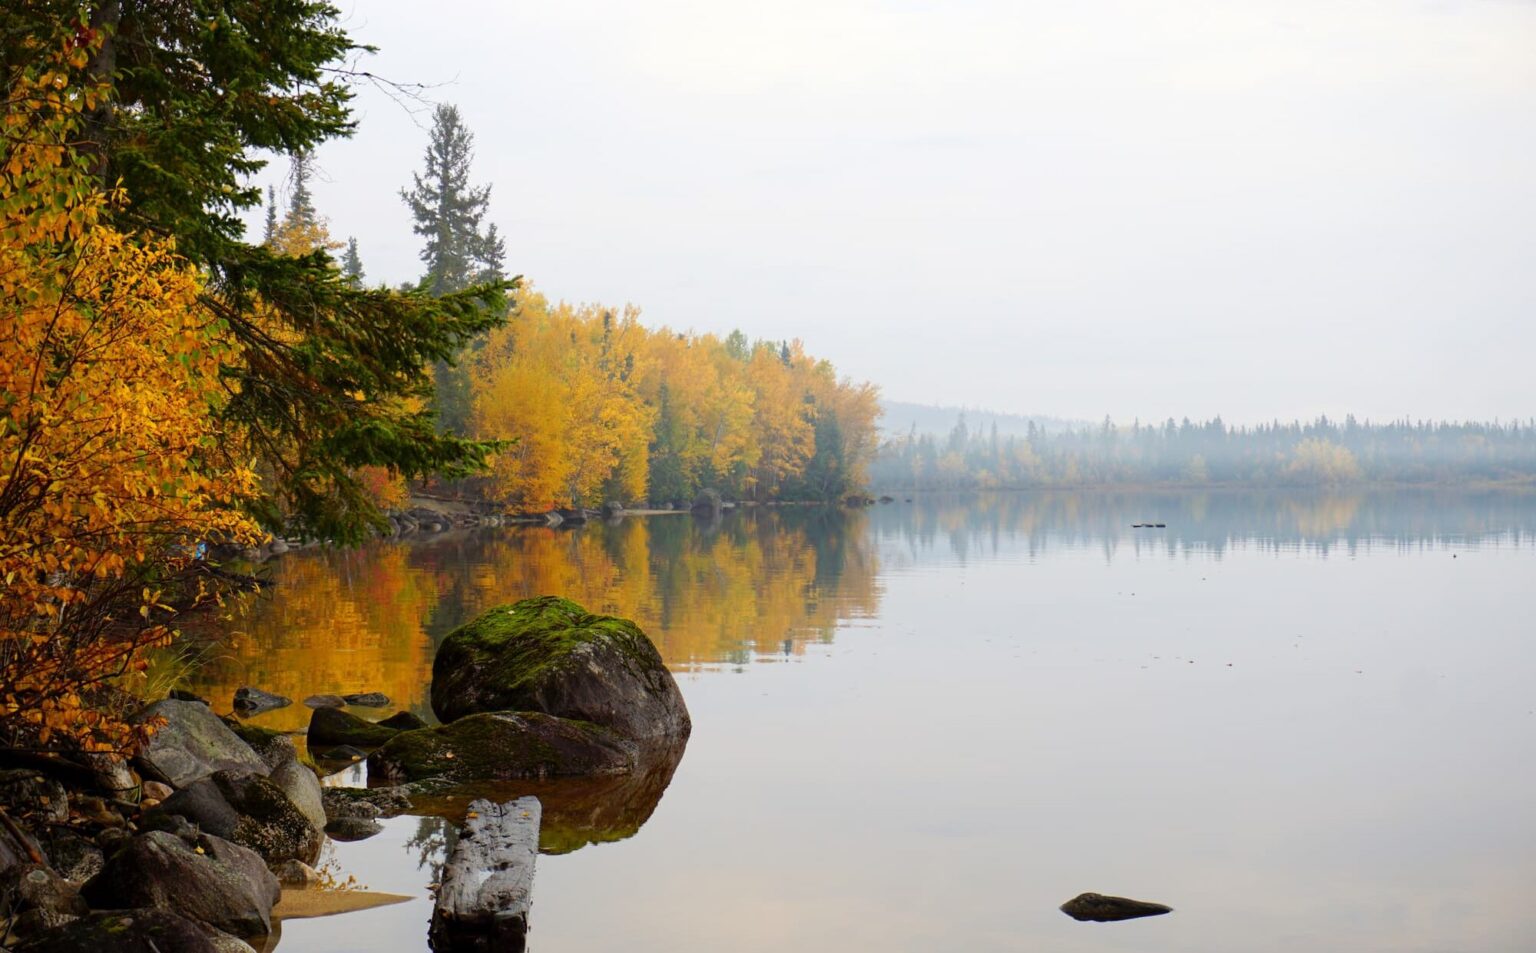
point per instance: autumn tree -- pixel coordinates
(322, 377)
(111, 481)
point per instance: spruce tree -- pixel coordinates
(269, 234)
(448, 211)
(352, 264)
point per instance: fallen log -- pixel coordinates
(487, 884)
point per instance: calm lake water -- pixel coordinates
(1307, 722)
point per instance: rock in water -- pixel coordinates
(403, 721)
(254, 701)
(193, 743)
(487, 883)
(1102, 909)
(503, 746)
(134, 931)
(550, 655)
(325, 701)
(367, 699)
(330, 727)
(222, 884)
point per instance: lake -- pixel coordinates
(1305, 721)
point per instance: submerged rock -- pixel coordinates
(193, 743)
(1102, 909)
(550, 655)
(325, 701)
(365, 802)
(222, 884)
(503, 746)
(134, 931)
(367, 699)
(353, 828)
(330, 727)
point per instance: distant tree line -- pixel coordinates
(1316, 453)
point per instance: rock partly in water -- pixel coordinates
(254, 701)
(329, 727)
(503, 746)
(134, 931)
(192, 744)
(325, 701)
(550, 655)
(250, 810)
(296, 873)
(367, 699)
(1102, 909)
(403, 721)
(222, 884)
(365, 802)
(353, 828)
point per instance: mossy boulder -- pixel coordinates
(191, 743)
(332, 727)
(134, 931)
(252, 811)
(552, 656)
(503, 746)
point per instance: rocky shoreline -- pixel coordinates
(188, 846)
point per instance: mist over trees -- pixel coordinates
(1320, 452)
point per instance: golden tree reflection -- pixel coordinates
(758, 584)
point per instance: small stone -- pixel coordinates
(1102, 909)
(157, 790)
(325, 701)
(254, 701)
(296, 873)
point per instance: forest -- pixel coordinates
(1322, 452)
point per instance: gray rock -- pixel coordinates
(274, 748)
(254, 701)
(353, 828)
(225, 885)
(192, 744)
(708, 503)
(325, 701)
(200, 803)
(270, 823)
(134, 931)
(38, 898)
(366, 803)
(1102, 909)
(182, 695)
(367, 699)
(296, 873)
(28, 794)
(73, 855)
(175, 825)
(550, 655)
(503, 746)
(303, 789)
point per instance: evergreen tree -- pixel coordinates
(269, 233)
(448, 210)
(352, 264)
(321, 375)
(301, 203)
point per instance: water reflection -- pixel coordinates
(759, 585)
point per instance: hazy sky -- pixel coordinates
(1243, 207)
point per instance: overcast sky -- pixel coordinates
(1243, 207)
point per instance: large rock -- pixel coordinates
(329, 727)
(550, 655)
(33, 898)
(134, 931)
(31, 795)
(274, 748)
(192, 744)
(503, 746)
(224, 885)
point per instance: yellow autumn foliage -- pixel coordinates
(109, 373)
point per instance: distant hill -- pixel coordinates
(900, 417)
